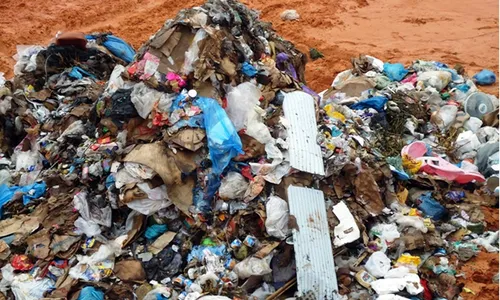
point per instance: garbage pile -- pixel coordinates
(203, 167)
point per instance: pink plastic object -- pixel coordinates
(434, 165)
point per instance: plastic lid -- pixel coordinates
(192, 93)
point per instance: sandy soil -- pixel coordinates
(452, 31)
(479, 272)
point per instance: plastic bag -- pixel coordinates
(116, 46)
(409, 221)
(378, 264)
(95, 210)
(75, 129)
(431, 207)
(248, 69)
(240, 101)
(157, 200)
(485, 77)
(25, 287)
(436, 79)
(277, 217)
(393, 285)
(223, 140)
(253, 266)
(144, 99)
(263, 292)
(191, 55)
(154, 231)
(233, 186)
(115, 81)
(395, 72)
(30, 192)
(89, 228)
(386, 232)
(376, 102)
(256, 128)
(91, 293)
(100, 264)
(26, 58)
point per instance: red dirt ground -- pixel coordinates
(452, 31)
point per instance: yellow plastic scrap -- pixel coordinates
(407, 259)
(413, 212)
(402, 196)
(428, 223)
(410, 164)
(330, 111)
(467, 290)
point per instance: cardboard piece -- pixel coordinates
(162, 161)
(161, 242)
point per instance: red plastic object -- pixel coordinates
(21, 263)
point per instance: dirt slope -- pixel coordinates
(453, 31)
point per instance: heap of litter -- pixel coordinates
(201, 166)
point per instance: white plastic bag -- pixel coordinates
(191, 55)
(75, 129)
(466, 142)
(115, 81)
(378, 264)
(26, 58)
(144, 98)
(393, 285)
(133, 173)
(233, 186)
(263, 292)
(386, 232)
(256, 128)
(157, 199)
(409, 221)
(25, 287)
(89, 228)
(347, 230)
(90, 212)
(277, 217)
(437, 79)
(240, 101)
(253, 266)
(94, 267)
(473, 124)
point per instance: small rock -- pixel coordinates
(289, 15)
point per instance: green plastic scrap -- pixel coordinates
(315, 54)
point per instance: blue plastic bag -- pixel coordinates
(202, 198)
(223, 140)
(376, 102)
(79, 73)
(198, 252)
(248, 69)
(485, 77)
(91, 293)
(154, 231)
(30, 192)
(463, 87)
(395, 72)
(431, 207)
(117, 46)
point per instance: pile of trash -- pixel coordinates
(203, 167)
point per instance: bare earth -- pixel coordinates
(451, 31)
